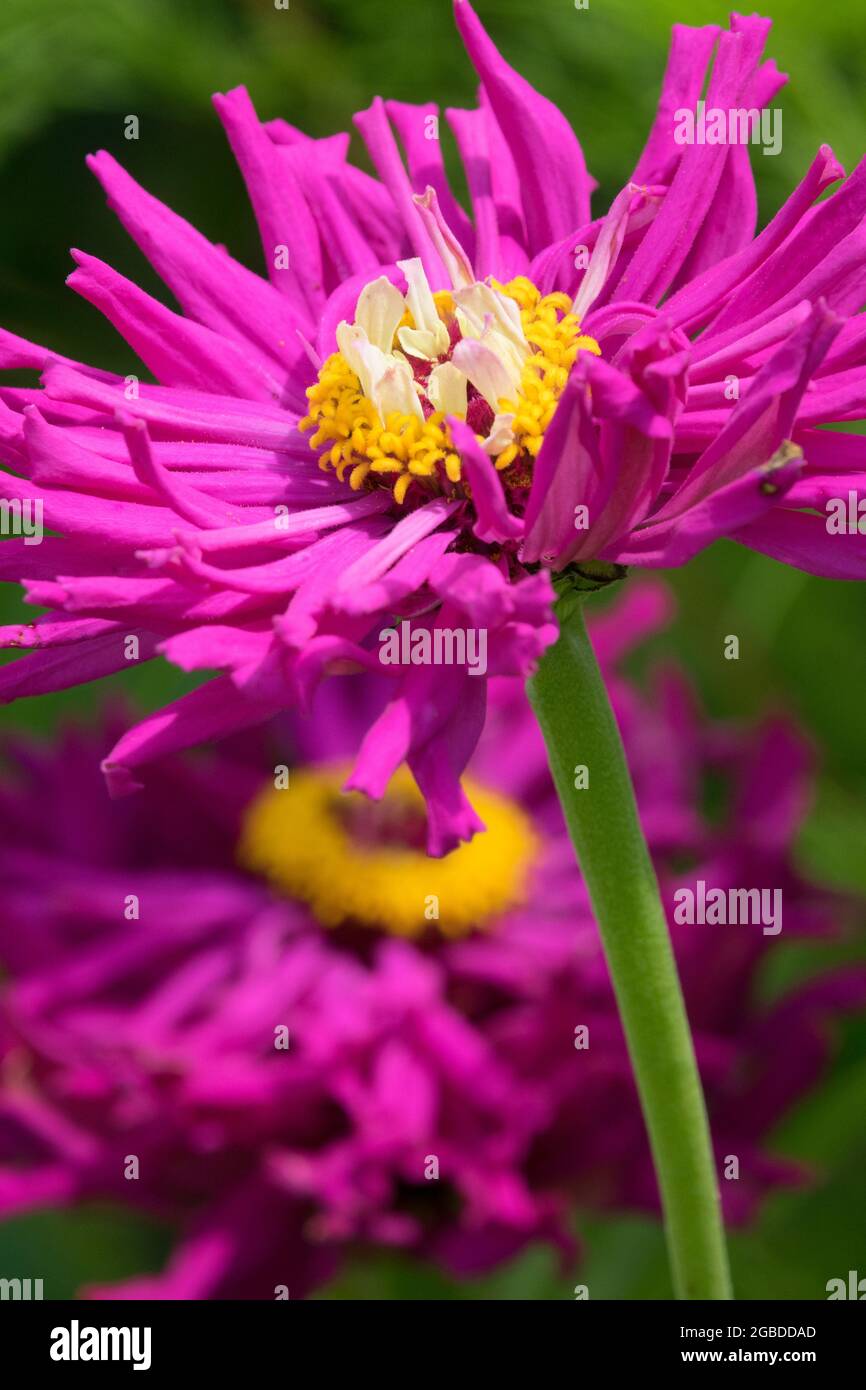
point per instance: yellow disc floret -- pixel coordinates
(398, 449)
(348, 860)
(554, 335)
(532, 349)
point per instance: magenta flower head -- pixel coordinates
(379, 456)
(286, 1055)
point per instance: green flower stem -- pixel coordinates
(571, 704)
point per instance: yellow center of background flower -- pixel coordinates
(402, 448)
(354, 861)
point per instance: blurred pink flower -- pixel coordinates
(150, 1032)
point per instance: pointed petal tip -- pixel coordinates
(834, 169)
(119, 780)
(233, 94)
(98, 158)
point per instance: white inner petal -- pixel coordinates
(480, 301)
(447, 389)
(419, 342)
(395, 390)
(355, 346)
(380, 308)
(501, 434)
(486, 370)
(422, 306)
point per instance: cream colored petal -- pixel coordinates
(380, 308)
(501, 434)
(485, 330)
(480, 301)
(353, 344)
(395, 390)
(422, 305)
(505, 350)
(485, 370)
(419, 342)
(501, 347)
(447, 388)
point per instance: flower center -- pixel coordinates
(497, 356)
(361, 862)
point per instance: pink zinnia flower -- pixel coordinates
(422, 415)
(413, 1039)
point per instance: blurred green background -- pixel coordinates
(70, 72)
